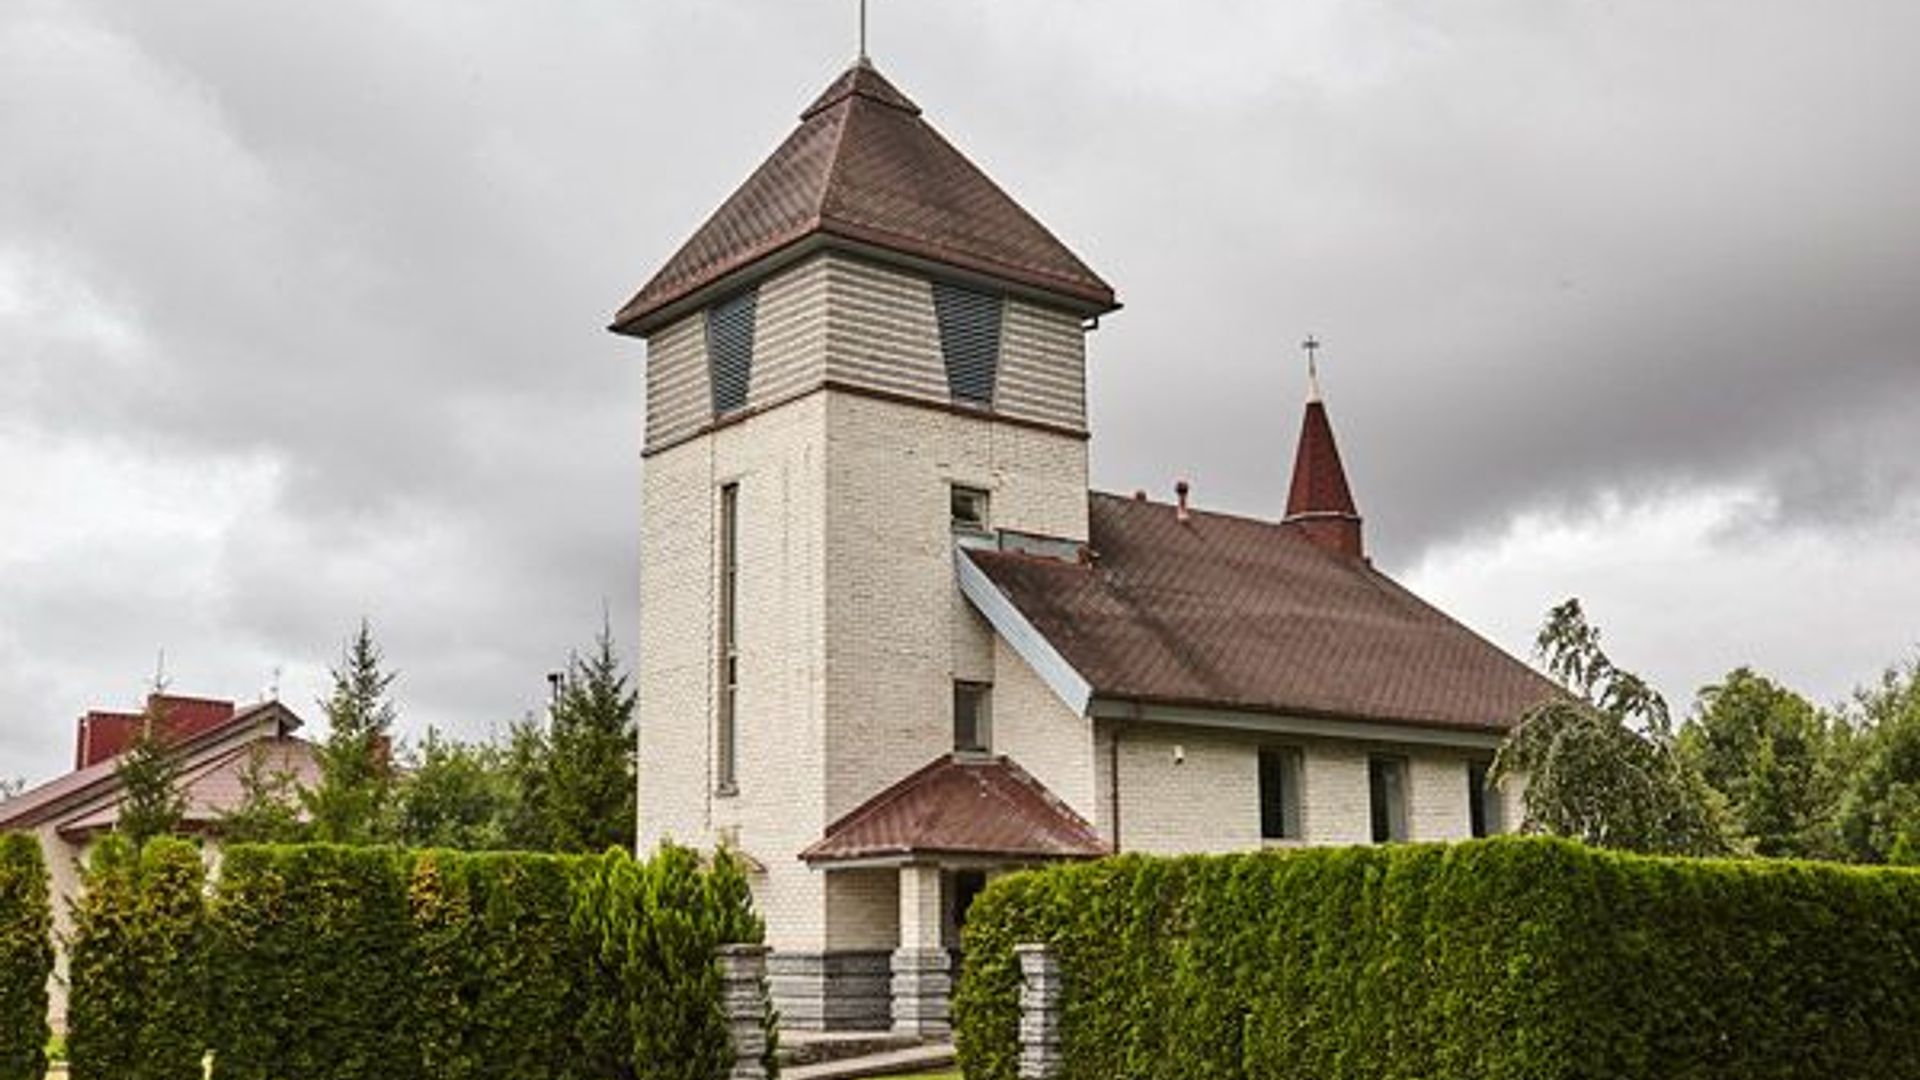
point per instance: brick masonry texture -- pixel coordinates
(852, 630)
(859, 323)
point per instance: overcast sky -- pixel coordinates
(302, 308)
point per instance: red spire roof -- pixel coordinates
(863, 170)
(1320, 504)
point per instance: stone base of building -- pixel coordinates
(832, 991)
(922, 987)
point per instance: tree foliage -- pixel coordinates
(1503, 959)
(1773, 756)
(1879, 812)
(454, 795)
(149, 771)
(1599, 765)
(352, 802)
(590, 784)
(26, 957)
(269, 807)
(139, 964)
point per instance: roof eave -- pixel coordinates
(641, 317)
(1306, 723)
(880, 858)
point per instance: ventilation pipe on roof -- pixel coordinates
(1180, 511)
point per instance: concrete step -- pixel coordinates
(886, 1063)
(814, 1047)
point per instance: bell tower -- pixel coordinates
(868, 354)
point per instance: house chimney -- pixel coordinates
(1180, 511)
(1320, 505)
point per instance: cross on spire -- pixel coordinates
(1312, 347)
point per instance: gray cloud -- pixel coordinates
(306, 301)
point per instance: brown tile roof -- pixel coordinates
(1230, 612)
(961, 805)
(864, 168)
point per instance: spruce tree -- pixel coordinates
(149, 774)
(590, 792)
(352, 802)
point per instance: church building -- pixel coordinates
(891, 644)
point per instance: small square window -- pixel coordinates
(970, 507)
(972, 717)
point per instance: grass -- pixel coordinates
(925, 1076)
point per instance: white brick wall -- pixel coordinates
(835, 317)
(852, 631)
(901, 631)
(1035, 728)
(1206, 797)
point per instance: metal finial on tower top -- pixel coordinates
(863, 31)
(1312, 346)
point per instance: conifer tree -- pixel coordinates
(149, 773)
(352, 802)
(590, 784)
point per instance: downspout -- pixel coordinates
(1113, 784)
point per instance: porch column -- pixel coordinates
(922, 983)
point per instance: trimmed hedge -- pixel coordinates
(26, 958)
(138, 964)
(335, 963)
(1508, 958)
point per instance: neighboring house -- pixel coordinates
(891, 644)
(215, 743)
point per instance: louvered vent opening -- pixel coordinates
(969, 340)
(730, 351)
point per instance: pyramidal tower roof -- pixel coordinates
(864, 171)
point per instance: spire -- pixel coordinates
(1320, 505)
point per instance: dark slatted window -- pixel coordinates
(730, 351)
(969, 340)
(1279, 793)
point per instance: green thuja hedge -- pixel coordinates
(26, 958)
(334, 963)
(138, 964)
(1510, 958)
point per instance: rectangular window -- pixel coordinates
(972, 717)
(726, 753)
(730, 351)
(969, 340)
(970, 510)
(1280, 793)
(1387, 795)
(1483, 801)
